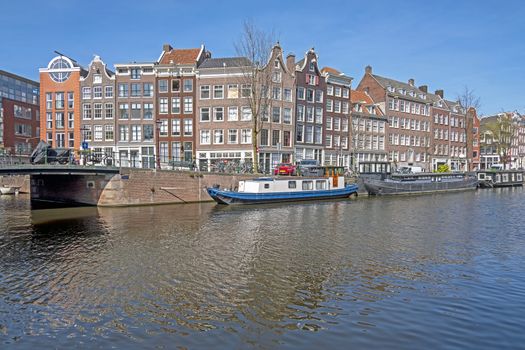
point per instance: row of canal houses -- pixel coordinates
(189, 106)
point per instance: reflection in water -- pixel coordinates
(379, 272)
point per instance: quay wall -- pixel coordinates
(147, 187)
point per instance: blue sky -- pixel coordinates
(443, 44)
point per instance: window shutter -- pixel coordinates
(307, 78)
(316, 80)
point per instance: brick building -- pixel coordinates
(98, 108)
(60, 107)
(275, 141)
(408, 109)
(19, 114)
(337, 117)
(176, 98)
(224, 123)
(474, 141)
(368, 129)
(134, 114)
(310, 108)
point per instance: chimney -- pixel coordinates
(290, 62)
(424, 88)
(440, 93)
(411, 82)
(166, 47)
(368, 69)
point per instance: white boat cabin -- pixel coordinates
(298, 184)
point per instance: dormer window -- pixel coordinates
(402, 91)
(440, 104)
(390, 88)
(411, 93)
(276, 64)
(357, 107)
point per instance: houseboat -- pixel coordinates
(500, 178)
(286, 189)
(379, 180)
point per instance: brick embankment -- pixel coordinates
(21, 181)
(146, 187)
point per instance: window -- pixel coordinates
(86, 93)
(246, 136)
(205, 137)
(276, 137)
(264, 137)
(147, 89)
(97, 92)
(246, 114)
(276, 114)
(308, 185)
(148, 111)
(136, 133)
(98, 110)
(346, 93)
(135, 73)
(71, 140)
(109, 134)
(320, 184)
(98, 133)
(49, 100)
(329, 123)
(329, 105)
(218, 91)
(59, 120)
(233, 113)
(175, 127)
(123, 111)
(318, 96)
(70, 120)
(49, 120)
(337, 124)
(188, 105)
(337, 91)
(276, 77)
(175, 105)
(188, 127)
(163, 128)
(163, 151)
(287, 115)
(86, 111)
(218, 136)
(309, 134)
(299, 132)
(188, 85)
(276, 93)
(246, 91)
(300, 93)
(232, 136)
(319, 115)
(312, 67)
(108, 90)
(310, 95)
(328, 141)
(218, 114)
(135, 90)
(87, 132)
(175, 85)
(135, 110)
(337, 107)
(318, 136)
(70, 100)
(163, 105)
(288, 95)
(233, 91)
(163, 85)
(123, 134)
(345, 108)
(287, 139)
(59, 100)
(123, 90)
(300, 113)
(60, 138)
(205, 114)
(205, 92)
(309, 114)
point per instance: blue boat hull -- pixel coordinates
(231, 197)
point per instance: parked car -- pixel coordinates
(309, 167)
(285, 169)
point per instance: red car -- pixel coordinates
(285, 169)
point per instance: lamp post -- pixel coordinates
(158, 124)
(83, 129)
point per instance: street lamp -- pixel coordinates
(84, 145)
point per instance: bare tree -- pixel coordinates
(255, 45)
(468, 99)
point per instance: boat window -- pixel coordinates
(266, 185)
(498, 178)
(308, 185)
(481, 176)
(505, 177)
(320, 185)
(519, 177)
(292, 184)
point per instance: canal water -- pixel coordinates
(425, 272)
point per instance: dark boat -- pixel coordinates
(379, 181)
(500, 178)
